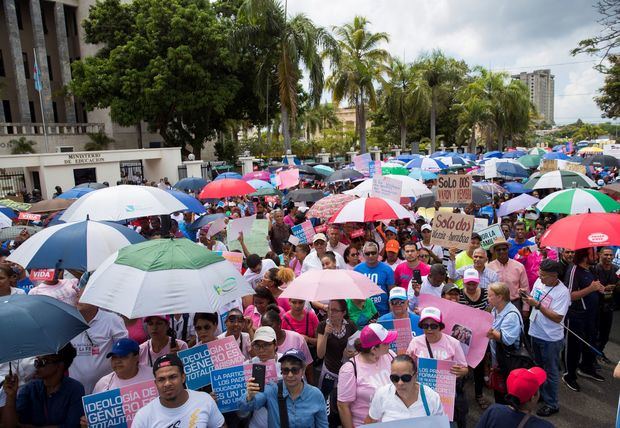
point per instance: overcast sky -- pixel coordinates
(506, 35)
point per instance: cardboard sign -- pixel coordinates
(452, 230)
(454, 189)
(436, 375)
(480, 223)
(201, 360)
(489, 235)
(41, 274)
(256, 240)
(235, 258)
(548, 165)
(288, 178)
(303, 231)
(116, 408)
(239, 225)
(387, 188)
(29, 216)
(575, 167)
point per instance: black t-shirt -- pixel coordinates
(499, 415)
(335, 347)
(607, 277)
(581, 279)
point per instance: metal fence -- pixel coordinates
(182, 169)
(12, 181)
(132, 171)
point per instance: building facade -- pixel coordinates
(541, 85)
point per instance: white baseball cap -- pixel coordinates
(432, 313)
(471, 275)
(264, 334)
(319, 237)
(398, 293)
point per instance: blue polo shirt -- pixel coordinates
(63, 408)
(514, 247)
(382, 275)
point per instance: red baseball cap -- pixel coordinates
(523, 383)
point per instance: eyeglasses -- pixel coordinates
(370, 253)
(397, 302)
(261, 346)
(294, 370)
(406, 378)
(429, 326)
(43, 362)
(235, 318)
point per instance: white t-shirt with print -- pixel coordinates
(199, 409)
(255, 278)
(387, 406)
(558, 300)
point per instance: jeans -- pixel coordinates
(547, 356)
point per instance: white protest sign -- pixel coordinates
(490, 169)
(386, 187)
(480, 223)
(243, 224)
(490, 234)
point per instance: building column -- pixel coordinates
(39, 43)
(63, 53)
(23, 109)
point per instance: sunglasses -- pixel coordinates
(406, 378)
(397, 302)
(294, 370)
(370, 253)
(235, 318)
(429, 326)
(42, 362)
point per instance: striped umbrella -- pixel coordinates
(411, 188)
(577, 201)
(559, 180)
(328, 206)
(364, 210)
(391, 168)
(427, 164)
(530, 161)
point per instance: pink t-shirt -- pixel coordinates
(146, 351)
(66, 290)
(403, 273)
(307, 326)
(448, 348)
(359, 391)
(112, 381)
(297, 341)
(255, 316)
(137, 332)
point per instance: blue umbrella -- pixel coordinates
(493, 154)
(36, 325)
(559, 147)
(259, 184)
(204, 220)
(556, 155)
(439, 154)
(189, 201)
(406, 158)
(515, 187)
(514, 154)
(420, 174)
(469, 156)
(510, 169)
(191, 183)
(7, 211)
(576, 159)
(428, 164)
(228, 175)
(75, 193)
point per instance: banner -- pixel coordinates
(548, 165)
(288, 178)
(239, 225)
(29, 216)
(406, 331)
(452, 230)
(362, 163)
(489, 235)
(454, 189)
(423, 422)
(436, 375)
(255, 240)
(116, 408)
(201, 360)
(235, 258)
(303, 231)
(612, 150)
(466, 324)
(386, 187)
(42, 274)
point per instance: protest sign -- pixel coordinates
(362, 162)
(271, 199)
(490, 169)
(29, 216)
(423, 422)
(436, 375)
(612, 150)
(489, 235)
(201, 360)
(480, 223)
(116, 408)
(454, 189)
(452, 230)
(217, 226)
(239, 225)
(255, 240)
(229, 386)
(42, 274)
(303, 231)
(375, 169)
(386, 187)
(548, 165)
(575, 167)
(235, 258)
(288, 178)
(466, 324)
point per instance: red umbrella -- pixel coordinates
(225, 188)
(327, 207)
(365, 210)
(584, 231)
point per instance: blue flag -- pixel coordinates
(37, 76)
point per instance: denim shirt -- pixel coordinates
(306, 411)
(509, 325)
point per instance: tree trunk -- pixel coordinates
(433, 118)
(362, 123)
(472, 142)
(286, 131)
(139, 128)
(500, 141)
(403, 136)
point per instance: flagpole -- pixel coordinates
(37, 77)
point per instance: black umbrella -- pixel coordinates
(305, 195)
(606, 161)
(344, 174)
(479, 197)
(307, 169)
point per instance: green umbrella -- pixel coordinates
(537, 151)
(394, 170)
(577, 201)
(558, 180)
(530, 161)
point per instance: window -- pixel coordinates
(26, 65)
(33, 116)
(55, 108)
(49, 67)
(84, 175)
(2, 64)
(43, 19)
(18, 12)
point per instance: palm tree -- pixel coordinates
(98, 141)
(441, 74)
(286, 46)
(357, 63)
(474, 113)
(405, 95)
(22, 146)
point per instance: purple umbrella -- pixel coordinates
(257, 175)
(521, 202)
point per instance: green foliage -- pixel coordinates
(22, 146)
(98, 141)
(609, 100)
(588, 131)
(609, 38)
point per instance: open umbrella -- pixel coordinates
(515, 187)
(189, 201)
(266, 191)
(605, 161)
(612, 190)
(260, 184)
(427, 164)
(559, 180)
(590, 151)
(578, 201)
(420, 174)
(556, 155)
(411, 188)
(121, 203)
(13, 232)
(487, 187)
(391, 168)
(408, 157)
(515, 154)
(82, 245)
(324, 169)
(191, 183)
(36, 325)
(364, 210)
(257, 175)
(511, 169)
(305, 195)
(530, 161)
(225, 188)
(331, 284)
(537, 151)
(493, 154)
(50, 205)
(205, 220)
(521, 202)
(94, 186)
(343, 175)
(75, 193)
(479, 197)
(227, 175)
(583, 231)
(7, 211)
(328, 206)
(164, 276)
(5, 221)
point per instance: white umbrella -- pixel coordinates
(121, 203)
(411, 187)
(5, 221)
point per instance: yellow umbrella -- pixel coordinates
(590, 151)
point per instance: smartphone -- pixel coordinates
(523, 294)
(417, 276)
(258, 373)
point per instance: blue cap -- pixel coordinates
(124, 347)
(392, 229)
(293, 353)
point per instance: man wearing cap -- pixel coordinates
(126, 369)
(313, 260)
(431, 284)
(451, 292)
(426, 231)
(509, 271)
(177, 406)
(486, 275)
(334, 243)
(392, 247)
(379, 272)
(519, 241)
(550, 300)
(304, 403)
(399, 310)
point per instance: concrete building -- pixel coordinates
(541, 85)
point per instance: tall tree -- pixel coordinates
(608, 41)
(609, 100)
(357, 62)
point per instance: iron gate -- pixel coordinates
(12, 181)
(132, 171)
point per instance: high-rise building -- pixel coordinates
(541, 85)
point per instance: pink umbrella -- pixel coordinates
(331, 284)
(257, 175)
(364, 210)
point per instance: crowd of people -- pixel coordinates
(335, 366)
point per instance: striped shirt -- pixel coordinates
(481, 303)
(487, 277)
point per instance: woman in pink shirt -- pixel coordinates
(262, 298)
(362, 375)
(160, 343)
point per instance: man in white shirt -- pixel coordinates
(431, 284)
(425, 231)
(334, 236)
(313, 260)
(257, 268)
(177, 406)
